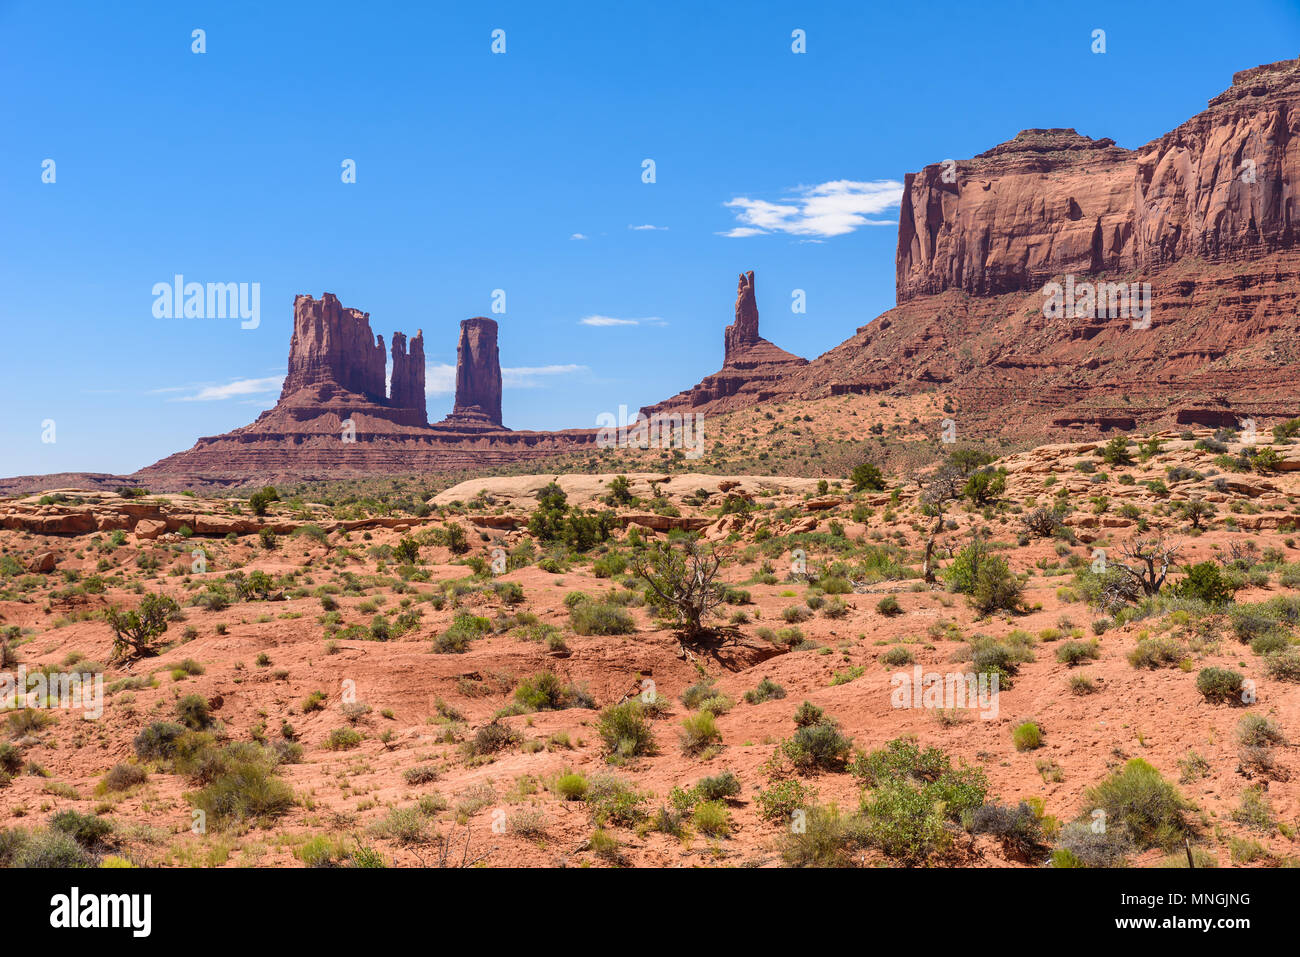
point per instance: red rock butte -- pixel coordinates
(335, 419)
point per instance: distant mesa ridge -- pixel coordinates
(1206, 214)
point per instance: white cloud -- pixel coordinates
(577, 236)
(439, 379)
(648, 226)
(611, 321)
(829, 209)
(230, 390)
(525, 377)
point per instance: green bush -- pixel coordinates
(817, 747)
(593, 618)
(464, 628)
(193, 712)
(765, 690)
(1149, 807)
(1204, 582)
(1027, 736)
(1219, 684)
(1156, 653)
(86, 829)
(625, 731)
(889, 606)
(1077, 652)
(699, 733)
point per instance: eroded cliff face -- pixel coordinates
(1050, 202)
(332, 344)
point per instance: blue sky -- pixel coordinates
(520, 171)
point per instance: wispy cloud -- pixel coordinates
(611, 321)
(647, 226)
(527, 377)
(440, 379)
(577, 236)
(228, 390)
(829, 209)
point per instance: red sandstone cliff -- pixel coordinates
(1221, 186)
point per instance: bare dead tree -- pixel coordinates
(943, 487)
(1148, 561)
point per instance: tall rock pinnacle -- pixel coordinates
(407, 388)
(478, 374)
(743, 333)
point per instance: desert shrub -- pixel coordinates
(1204, 582)
(1042, 522)
(995, 586)
(1219, 684)
(406, 827)
(245, 789)
(819, 746)
(765, 690)
(492, 738)
(123, 777)
(593, 618)
(194, 712)
(343, 739)
(712, 819)
(699, 733)
(1077, 652)
(717, 788)
(1017, 828)
(86, 829)
(1027, 736)
(1156, 653)
(136, 632)
(1284, 666)
(156, 742)
(464, 628)
(1140, 799)
(779, 801)
(571, 786)
(889, 606)
(867, 477)
(11, 758)
(827, 839)
(49, 848)
(607, 566)
(1081, 846)
(261, 500)
(626, 731)
(897, 656)
(420, 774)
